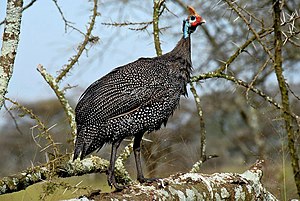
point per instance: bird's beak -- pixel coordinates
(202, 21)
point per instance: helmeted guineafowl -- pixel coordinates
(133, 99)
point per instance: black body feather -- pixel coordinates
(135, 98)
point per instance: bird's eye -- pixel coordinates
(192, 18)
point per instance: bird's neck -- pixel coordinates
(183, 49)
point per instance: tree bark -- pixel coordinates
(59, 168)
(9, 44)
(196, 186)
(285, 95)
(181, 186)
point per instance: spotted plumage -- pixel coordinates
(133, 99)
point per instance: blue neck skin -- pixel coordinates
(186, 26)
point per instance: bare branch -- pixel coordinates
(292, 92)
(61, 97)
(122, 24)
(203, 157)
(233, 5)
(242, 48)
(40, 124)
(13, 118)
(244, 84)
(284, 94)
(158, 4)
(67, 23)
(261, 69)
(82, 47)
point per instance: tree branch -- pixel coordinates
(232, 4)
(9, 44)
(81, 48)
(242, 48)
(23, 9)
(284, 94)
(37, 174)
(203, 157)
(244, 84)
(61, 97)
(156, 13)
(196, 186)
(41, 125)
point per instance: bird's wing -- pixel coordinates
(121, 91)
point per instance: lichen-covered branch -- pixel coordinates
(41, 125)
(30, 176)
(203, 157)
(262, 33)
(156, 13)
(10, 41)
(201, 122)
(93, 164)
(126, 152)
(37, 174)
(196, 186)
(81, 48)
(243, 84)
(284, 94)
(61, 97)
(234, 6)
(23, 9)
(22, 180)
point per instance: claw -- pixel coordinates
(147, 180)
(112, 182)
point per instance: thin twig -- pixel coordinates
(67, 23)
(237, 81)
(261, 69)
(61, 97)
(201, 123)
(23, 9)
(235, 7)
(292, 92)
(122, 24)
(262, 33)
(13, 118)
(81, 48)
(41, 125)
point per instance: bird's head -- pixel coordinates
(192, 22)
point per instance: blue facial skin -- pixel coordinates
(186, 26)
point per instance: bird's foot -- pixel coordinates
(147, 180)
(112, 183)
(119, 187)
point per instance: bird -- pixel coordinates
(134, 99)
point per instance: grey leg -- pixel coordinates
(110, 174)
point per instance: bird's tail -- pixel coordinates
(87, 141)
(79, 145)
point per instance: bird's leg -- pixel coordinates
(110, 173)
(137, 156)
